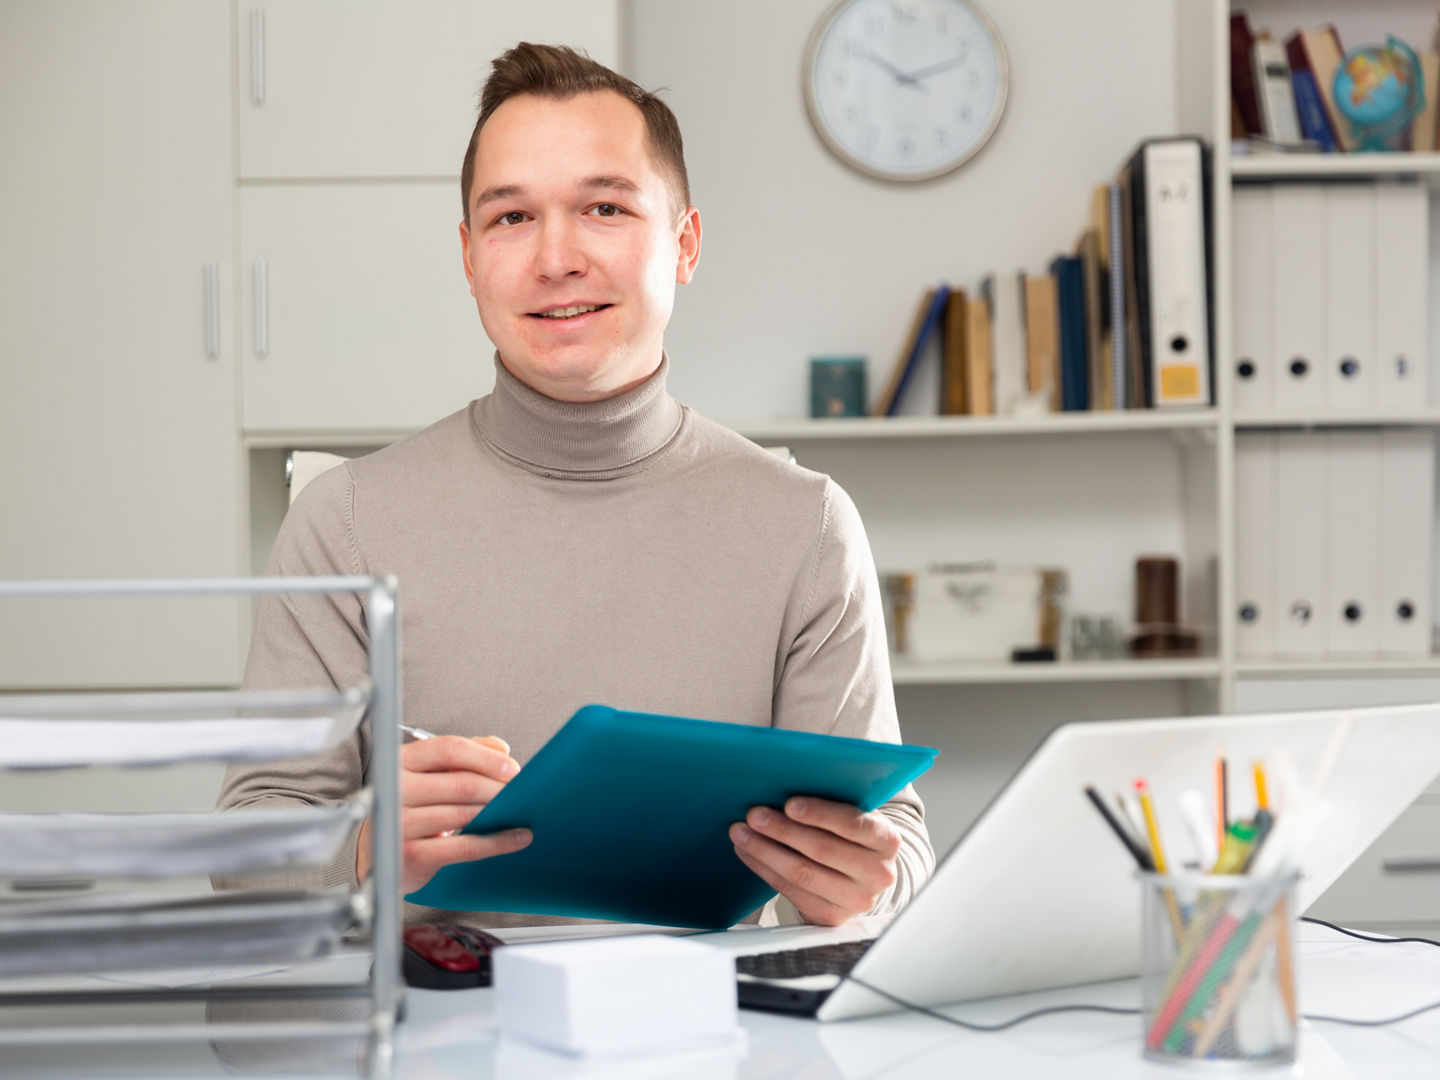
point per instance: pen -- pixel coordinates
(1264, 822)
(416, 733)
(1139, 854)
(1192, 808)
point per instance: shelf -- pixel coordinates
(322, 440)
(905, 673)
(1407, 418)
(1354, 166)
(945, 427)
(1356, 668)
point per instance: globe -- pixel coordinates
(1379, 89)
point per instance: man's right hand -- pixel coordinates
(444, 782)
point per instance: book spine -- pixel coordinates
(927, 330)
(1314, 124)
(1242, 73)
(1116, 244)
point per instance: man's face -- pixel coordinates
(567, 210)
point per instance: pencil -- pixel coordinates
(1152, 827)
(1222, 801)
(1239, 983)
(1139, 854)
(1262, 797)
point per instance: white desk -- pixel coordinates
(451, 1036)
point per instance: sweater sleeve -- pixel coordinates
(835, 678)
(308, 640)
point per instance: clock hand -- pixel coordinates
(900, 76)
(935, 69)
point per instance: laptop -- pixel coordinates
(1040, 894)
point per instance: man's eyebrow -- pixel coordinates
(503, 191)
(614, 183)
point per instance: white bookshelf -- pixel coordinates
(910, 673)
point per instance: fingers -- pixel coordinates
(813, 909)
(422, 858)
(417, 822)
(489, 756)
(834, 858)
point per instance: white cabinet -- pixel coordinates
(358, 315)
(339, 88)
(118, 455)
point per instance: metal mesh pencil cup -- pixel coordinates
(1217, 971)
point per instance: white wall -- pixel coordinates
(803, 256)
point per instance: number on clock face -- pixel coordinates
(905, 89)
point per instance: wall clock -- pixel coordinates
(905, 89)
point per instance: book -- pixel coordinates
(1310, 108)
(1276, 91)
(631, 815)
(1422, 128)
(1069, 275)
(926, 321)
(952, 372)
(979, 361)
(1127, 332)
(1004, 299)
(1172, 266)
(1092, 274)
(1319, 52)
(1115, 269)
(1242, 73)
(1042, 340)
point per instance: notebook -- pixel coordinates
(631, 815)
(1040, 894)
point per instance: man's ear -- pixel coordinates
(689, 244)
(465, 254)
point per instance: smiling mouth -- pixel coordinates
(569, 312)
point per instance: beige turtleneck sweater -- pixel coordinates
(549, 555)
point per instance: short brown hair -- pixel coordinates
(558, 71)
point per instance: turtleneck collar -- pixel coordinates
(593, 440)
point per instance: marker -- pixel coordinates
(1139, 854)
(1262, 798)
(1264, 822)
(1235, 852)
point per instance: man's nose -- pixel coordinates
(561, 251)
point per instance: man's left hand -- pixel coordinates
(831, 860)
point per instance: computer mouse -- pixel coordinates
(447, 956)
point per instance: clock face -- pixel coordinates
(905, 89)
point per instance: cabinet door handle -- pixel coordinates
(1422, 865)
(212, 310)
(262, 316)
(257, 56)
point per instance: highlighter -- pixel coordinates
(1235, 852)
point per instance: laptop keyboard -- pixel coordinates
(796, 963)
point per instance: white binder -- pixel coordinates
(1402, 238)
(1007, 335)
(1255, 606)
(1254, 373)
(1302, 515)
(1172, 267)
(1350, 619)
(1348, 372)
(1407, 523)
(1297, 230)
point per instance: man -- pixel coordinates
(579, 536)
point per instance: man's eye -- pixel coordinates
(514, 217)
(607, 210)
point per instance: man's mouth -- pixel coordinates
(569, 312)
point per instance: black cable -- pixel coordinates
(1118, 1011)
(1369, 937)
(990, 1027)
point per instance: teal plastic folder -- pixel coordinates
(631, 814)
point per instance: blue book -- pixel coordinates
(1314, 124)
(631, 814)
(928, 328)
(1069, 274)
